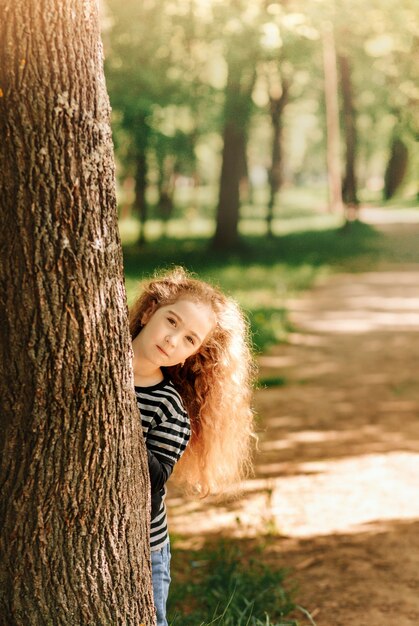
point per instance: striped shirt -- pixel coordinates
(166, 430)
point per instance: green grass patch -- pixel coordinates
(271, 381)
(226, 587)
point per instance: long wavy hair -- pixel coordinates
(215, 384)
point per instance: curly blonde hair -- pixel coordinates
(215, 384)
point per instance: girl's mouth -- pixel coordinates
(162, 351)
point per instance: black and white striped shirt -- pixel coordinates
(166, 430)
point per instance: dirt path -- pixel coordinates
(337, 474)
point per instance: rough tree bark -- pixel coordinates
(74, 484)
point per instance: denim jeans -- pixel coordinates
(160, 570)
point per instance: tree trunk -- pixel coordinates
(277, 105)
(128, 186)
(226, 233)
(74, 505)
(245, 187)
(166, 192)
(140, 191)
(349, 187)
(332, 119)
(237, 112)
(396, 167)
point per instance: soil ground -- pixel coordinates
(336, 486)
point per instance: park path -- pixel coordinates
(336, 487)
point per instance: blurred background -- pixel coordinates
(193, 81)
(249, 135)
(273, 148)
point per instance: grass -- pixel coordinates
(263, 273)
(269, 382)
(224, 586)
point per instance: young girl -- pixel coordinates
(192, 374)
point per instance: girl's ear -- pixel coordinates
(148, 313)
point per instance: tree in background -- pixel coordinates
(396, 166)
(278, 99)
(242, 41)
(136, 69)
(396, 57)
(154, 81)
(74, 507)
(240, 83)
(286, 50)
(182, 85)
(377, 78)
(332, 117)
(349, 184)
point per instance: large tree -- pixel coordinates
(74, 482)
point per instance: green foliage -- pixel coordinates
(226, 588)
(268, 326)
(149, 76)
(166, 66)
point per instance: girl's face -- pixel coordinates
(174, 332)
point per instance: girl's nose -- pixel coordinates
(171, 340)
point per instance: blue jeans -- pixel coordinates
(160, 570)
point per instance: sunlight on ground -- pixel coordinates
(322, 499)
(276, 361)
(373, 215)
(382, 301)
(378, 321)
(307, 436)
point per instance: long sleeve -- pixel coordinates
(159, 472)
(166, 430)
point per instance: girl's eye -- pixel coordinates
(172, 321)
(190, 339)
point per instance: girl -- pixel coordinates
(192, 375)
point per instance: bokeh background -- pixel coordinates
(250, 135)
(272, 148)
